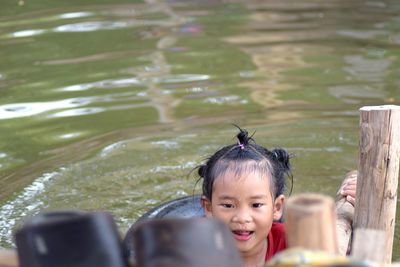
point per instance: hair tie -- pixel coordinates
(241, 145)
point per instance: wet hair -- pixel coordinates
(244, 157)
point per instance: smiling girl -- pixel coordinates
(243, 185)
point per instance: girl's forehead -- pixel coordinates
(230, 178)
(242, 187)
(244, 170)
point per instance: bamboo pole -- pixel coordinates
(378, 168)
(311, 222)
(8, 258)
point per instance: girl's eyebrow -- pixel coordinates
(258, 196)
(223, 197)
(227, 197)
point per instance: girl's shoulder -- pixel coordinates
(276, 240)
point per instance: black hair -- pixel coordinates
(247, 156)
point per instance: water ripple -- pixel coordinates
(91, 26)
(365, 68)
(22, 205)
(73, 15)
(180, 78)
(125, 82)
(110, 148)
(18, 110)
(225, 99)
(27, 33)
(166, 144)
(117, 83)
(78, 112)
(362, 34)
(10, 111)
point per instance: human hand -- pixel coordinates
(348, 188)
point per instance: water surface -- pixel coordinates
(109, 105)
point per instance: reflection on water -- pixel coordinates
(27, 33)
(125, 82)
(111, 106)
(91, 26)
(362, 68)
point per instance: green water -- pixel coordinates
(108, 105)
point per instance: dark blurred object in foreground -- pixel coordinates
(70, 238)
(185, 207)
(194, 242)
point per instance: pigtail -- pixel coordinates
(243, 138)
(201, 170)
(282, 156)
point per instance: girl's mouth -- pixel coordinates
(242, 235)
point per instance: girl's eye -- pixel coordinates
(257, 205)
(228, 206)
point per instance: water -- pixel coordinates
(109, 106)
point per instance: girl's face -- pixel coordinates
(244, 202)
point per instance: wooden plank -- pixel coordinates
(378, 168)
(311, 222)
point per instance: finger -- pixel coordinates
(350, 190)
(350, 199)
(350, 187)
(351, 193)
(350, 182)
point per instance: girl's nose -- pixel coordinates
(241, 216)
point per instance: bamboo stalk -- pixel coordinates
(378, 168)
(311, 222)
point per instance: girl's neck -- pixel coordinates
(256, 259)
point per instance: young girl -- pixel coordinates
(243, 185)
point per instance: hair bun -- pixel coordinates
(282, 156)
(243, 136)
(202, 170)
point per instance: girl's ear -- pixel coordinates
(206, 204)
(278, 207)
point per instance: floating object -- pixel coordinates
(185, 207)
(194, 242)
(70, 239)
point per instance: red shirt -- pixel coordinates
(276, 240)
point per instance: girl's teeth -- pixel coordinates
(242, 232)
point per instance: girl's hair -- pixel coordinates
(243, 157)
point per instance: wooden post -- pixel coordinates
(367, 244)
(378, 169)
(311, 222)
(8, 258)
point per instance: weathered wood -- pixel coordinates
(311, 222)
(8, 258)
(378, 168)
(367, 244)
